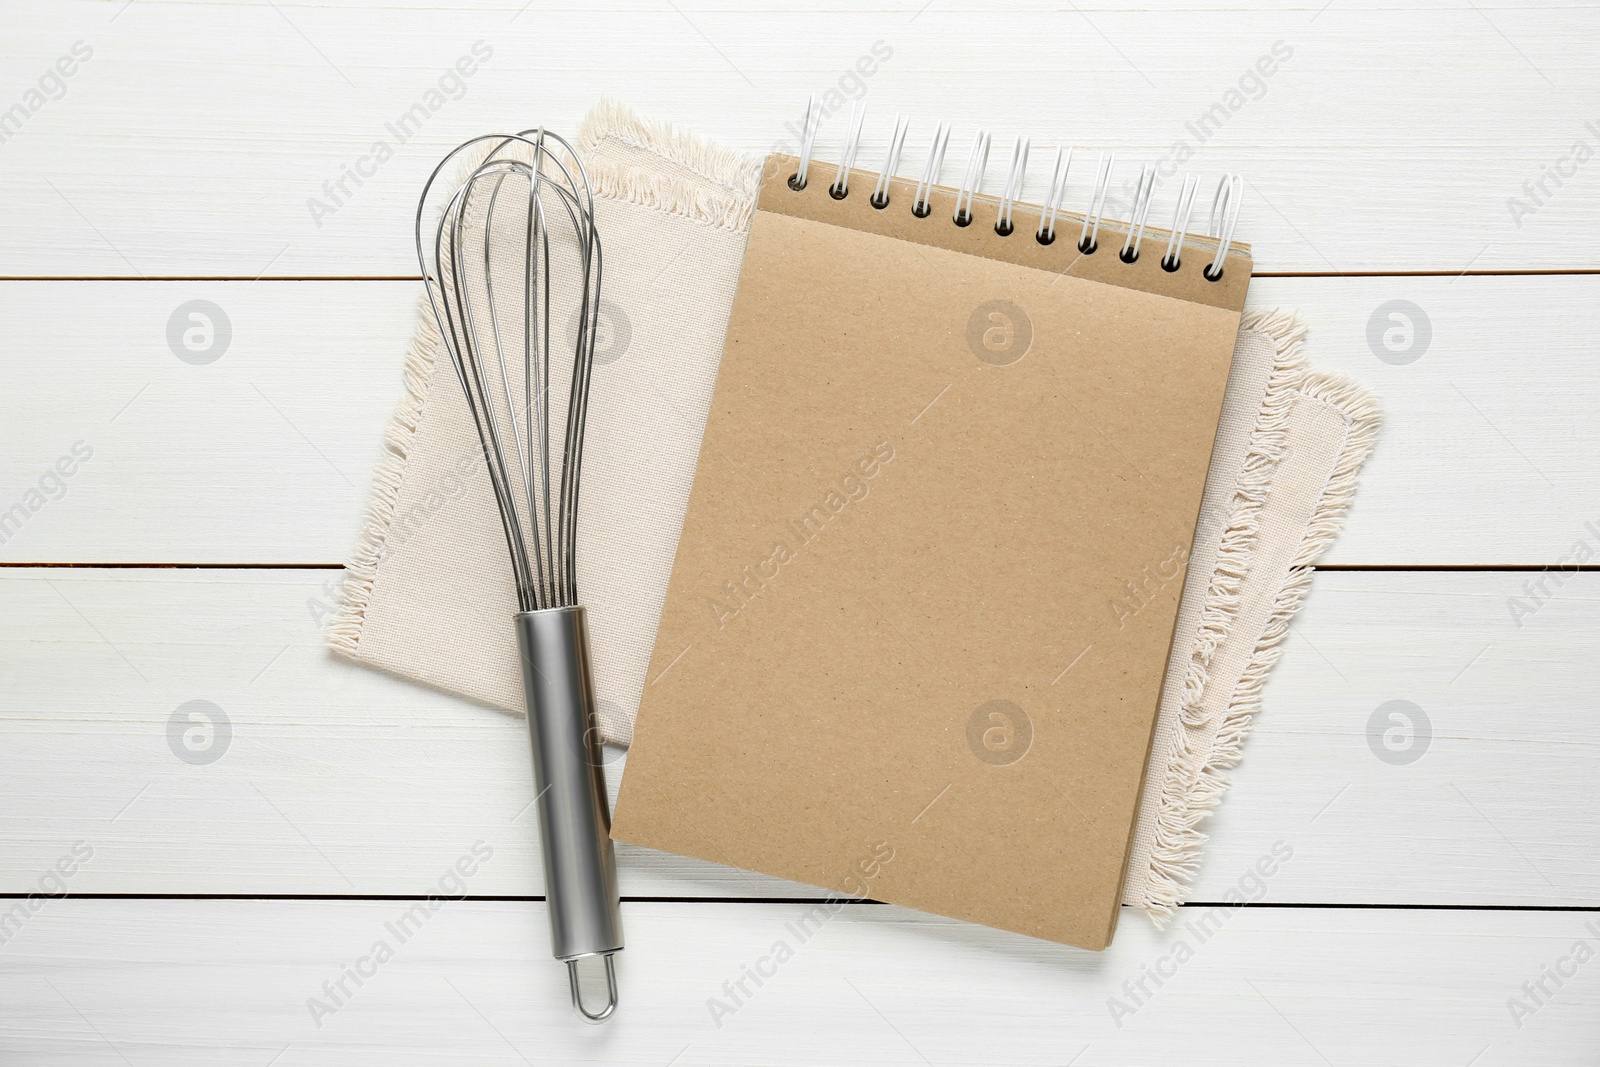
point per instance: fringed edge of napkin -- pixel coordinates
(1195, 781)
(361, 569)
(719, 185)
(718, 188)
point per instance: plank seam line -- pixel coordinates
(495, 899)
(1509, 272)
(1332, 568)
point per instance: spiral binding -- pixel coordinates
(1221, 222)
(930, 173)
(891, 162)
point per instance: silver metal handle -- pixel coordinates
(580, 868)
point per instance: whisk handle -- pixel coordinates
(580, 869)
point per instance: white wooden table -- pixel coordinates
(195, 545)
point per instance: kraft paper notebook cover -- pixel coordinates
(927, 582)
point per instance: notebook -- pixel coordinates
(920, 613)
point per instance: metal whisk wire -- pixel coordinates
(541, 530)
(502, 269)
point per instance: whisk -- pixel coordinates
(513, 269)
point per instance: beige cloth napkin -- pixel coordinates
(1283, 470)
(428, 594)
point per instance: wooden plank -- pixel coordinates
(336, 780)
(1480, 460)
(206, 982)
(207, 159)
(265, 454)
